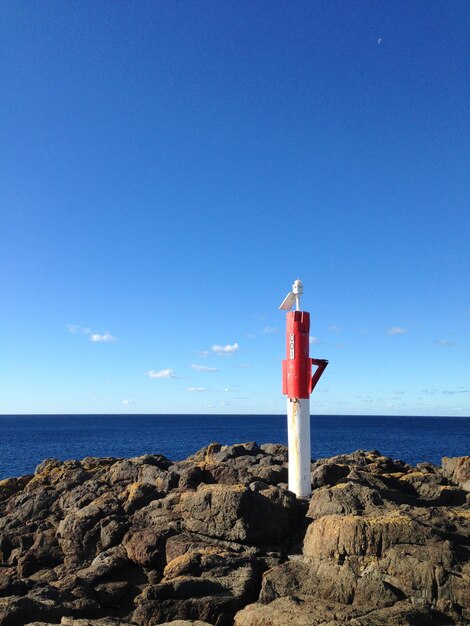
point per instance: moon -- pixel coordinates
(379, 40)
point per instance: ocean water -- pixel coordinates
(26, 440)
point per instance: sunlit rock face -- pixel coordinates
(218, 539)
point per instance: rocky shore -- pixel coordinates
(218, 538)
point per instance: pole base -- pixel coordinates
(298, 434)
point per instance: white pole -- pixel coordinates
(298, 434)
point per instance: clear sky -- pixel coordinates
(169, 168)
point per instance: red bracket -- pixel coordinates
(321, 366)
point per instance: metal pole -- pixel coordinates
(297, 384)
(298, 435)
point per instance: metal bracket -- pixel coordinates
(321, 366)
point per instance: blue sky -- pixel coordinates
(169, 168)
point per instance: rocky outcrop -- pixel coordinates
(218, 539)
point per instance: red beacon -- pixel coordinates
(297, 384)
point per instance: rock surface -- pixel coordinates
(218, 539)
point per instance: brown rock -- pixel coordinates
(338, 536)
(147, 548)
(236, 513)
(344, 499)
(311, 612)
(456, 469)
(79, 533)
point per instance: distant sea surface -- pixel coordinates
(26, 440)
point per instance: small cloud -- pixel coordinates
(204, 353)
(225, 350)
(250, 336)
(396, 330)
(446, 343)
(127, 402)
(203, 368)
(95, 337)
(106, 338)
(197, 389)
(270, 330)
(227, 389)
(245, 366)
(74, 329)
(333, 328)
(168, 373)
(314, 341)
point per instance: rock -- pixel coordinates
(236, 513)
(138, 495)
(258, 485)
(328, 474)
(15, 611)
(44, 552)
(456, 469)
(11, 486)
(272, 475)
(192, 477)
(107, 621)
(79, 533)
(310, 612)
(433, 488)
(339, 536)
(106, 563)
(217, 538)
(344, 499)
(147, 548)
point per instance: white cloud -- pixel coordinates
(245, 366)
(127, 402)
(333, 328)
(105, 338)
(396, 330)
(168, 373)
(95, 337)
(74, 329)
(269, 330)
(314, 341)
(197, 389)
(446, 343)
(203, 368)
(225, 350)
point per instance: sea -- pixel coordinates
(26, 440)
